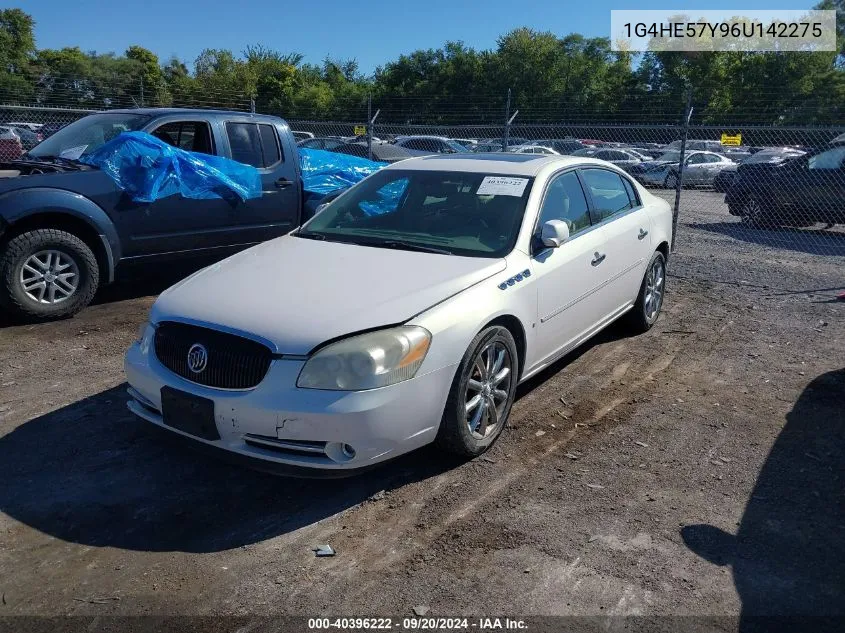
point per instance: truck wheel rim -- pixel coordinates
(488, 390)
(49, 277)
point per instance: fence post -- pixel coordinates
(507, 123)
(252, 105)
(142, 91)
(680, 179)
(370, 126)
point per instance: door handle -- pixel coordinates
(598, 258)
(642, 234)
(283, 183)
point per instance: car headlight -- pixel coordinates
(367, 361)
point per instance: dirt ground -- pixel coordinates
(694, 470)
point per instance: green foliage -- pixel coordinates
(550, 78)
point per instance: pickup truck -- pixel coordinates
(66, 227)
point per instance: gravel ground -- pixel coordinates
(694, 470)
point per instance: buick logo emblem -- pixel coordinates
(197, 358)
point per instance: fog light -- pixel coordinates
(348, 451)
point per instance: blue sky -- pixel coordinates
(373, 32)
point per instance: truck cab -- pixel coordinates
(66, 227)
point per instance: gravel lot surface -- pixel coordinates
(696, 469)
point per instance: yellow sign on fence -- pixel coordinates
(732, 139)
(360, 130)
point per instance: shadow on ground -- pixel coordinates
(811, 241)
(92, 473)
(788, 556)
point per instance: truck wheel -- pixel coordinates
(47, 274)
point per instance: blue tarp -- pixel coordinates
(324, 172)
(149, 169)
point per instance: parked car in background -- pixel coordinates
(327, 142)
(483, 148)
(32, 127)
(427, 145)
(452, 280)
(772, 155)
(301, 136)
(700, 168)
(29, 139)
(697, 144)
(649, 152)
(561, 145)
(797, 192)
(623, 158)
(469, 143)
(531, 148)
(66, 227)
(11, 147)
(513, 141)
(382, 152)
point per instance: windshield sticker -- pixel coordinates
(72, 153)
(502, 186)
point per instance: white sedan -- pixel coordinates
(406, 312)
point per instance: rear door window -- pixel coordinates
(270, 151)
(607, 191)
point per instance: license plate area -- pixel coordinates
(188, 413)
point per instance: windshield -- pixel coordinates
(457, 213)
(87, 134)
(672, 157)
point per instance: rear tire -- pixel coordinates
(671, 180)
(754, 215)
(649, 302)
(46, 274)
(482, 394)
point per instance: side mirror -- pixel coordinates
(554, 233)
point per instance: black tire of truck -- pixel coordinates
(71, 254)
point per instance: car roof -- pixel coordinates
(432, 136)
(492, 163)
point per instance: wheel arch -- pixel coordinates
(31, 209)
(514, 326)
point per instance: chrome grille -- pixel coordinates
(234, 362)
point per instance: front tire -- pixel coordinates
(482, 394)
(650, 298)
(46, 274)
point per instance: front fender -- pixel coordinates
(22, 203)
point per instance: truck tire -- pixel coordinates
(46, 274)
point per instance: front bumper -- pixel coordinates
(279, 427)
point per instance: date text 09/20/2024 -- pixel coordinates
(417, 624)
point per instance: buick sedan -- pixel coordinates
(405, 312)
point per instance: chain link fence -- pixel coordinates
(775, 187)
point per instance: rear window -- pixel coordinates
(254, 144)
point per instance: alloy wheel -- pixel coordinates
(49, 276)
(655, 284)
(487, 391)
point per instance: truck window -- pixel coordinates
(253, 144)
(269, 144)
(192, 136)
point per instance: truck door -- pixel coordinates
(276, 212)
(174, 223)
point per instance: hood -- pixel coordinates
(297, 293)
